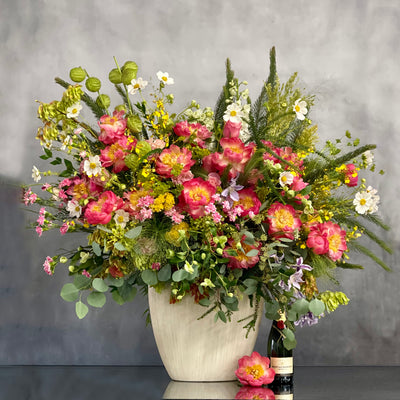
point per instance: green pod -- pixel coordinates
(103, 101)
(127, 75)
(115, 76)
(134, 123)
(93, 84)
(77, 74)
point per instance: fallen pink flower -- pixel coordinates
(254, 370)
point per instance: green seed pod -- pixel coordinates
(132, 161)
(103, 100)
(142, 148)
(127, 75)
(77, 74)
(115, 76)
(93, 84)
(120, 107)
(134, 123)
(131, 65)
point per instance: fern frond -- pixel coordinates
(362, 249)
(322, 265)
(346, 265)
(375, 219)
(221, 104)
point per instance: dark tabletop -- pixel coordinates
(112, 382)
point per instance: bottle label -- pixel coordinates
(288, 396)
(282, 365)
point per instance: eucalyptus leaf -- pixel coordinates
(301, 306)
(252, 253)
(250, 290)
(289, 344)
(82, 282)
(149, 277)
(205, 302)
(222, 316)
(96, 299)
(81, 309)
(250, 282)
(99, 285)
(292, 315)
(127, 292)
(134, 232)
(317, 307)
(119, 246)
(164, 274)
(117, 297)
(180, 275)
(69, 292)
(96, 249)
(289, 335)
(115, 282)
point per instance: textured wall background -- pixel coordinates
(346, 52)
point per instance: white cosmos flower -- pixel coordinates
(368, 157)
(121, 217)
(286, 178)
(374, 199)
(74, 110)
(36, 174)
(165, 78)
(92, 166)
(300, 108)
(74, 209)
(66, 143)
(363, 202)
(234, 113)
(136, 84)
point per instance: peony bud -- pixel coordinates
(127, 75)
(115, 76)
(134, 123)
(103, 101)
(77, 74)
(93, 84)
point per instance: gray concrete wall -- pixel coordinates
(347, 52)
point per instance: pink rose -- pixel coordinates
(254, 370)
(232, 129)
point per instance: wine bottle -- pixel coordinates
(281, 358)
(283, 392)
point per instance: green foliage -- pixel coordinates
(223, 98)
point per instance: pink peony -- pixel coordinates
(196, 132)
(298, 184)
(254, 370)
(351, 175)
(232, 129)
(100, 211)
(214, 179)
(114, 155)
(282, 220)
(112, 128)
(235, 154)
(327, 238)
(249, 392)
(242, 260)
(174, 161)
(249, 201)
(196, 194)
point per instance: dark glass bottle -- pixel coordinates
(282, 392)
(281, 358)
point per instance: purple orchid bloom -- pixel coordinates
(230, 192)
(307, 320)
(300, 266)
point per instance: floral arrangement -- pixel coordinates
(213, 204)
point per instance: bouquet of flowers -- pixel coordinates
(213, 204)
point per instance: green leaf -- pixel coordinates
(96, 249)
(119, 246)
(149, 277)
(134, 232)
(250, 290)
(317, 307)
(272, 310)
(233, 306)
(180, 275)
(127, 292)
(205, 302)
(82, 282)
(164, 274)
(96, 299)
(81, 309)
(57, 161)
(115, 282)
(117, 297)
(230, 300)
(99, 285)
(69, 292)
(289, 344)
(250, 282)
(222, 316)
(301, 306)
(292, 315)
(252, 253)
(289, 334)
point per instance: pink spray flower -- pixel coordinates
(112, 128)
(47, 265)
(351, 175)
(282, 220)
(196, 194)
(254, 370)
(327, 238)
(100, 211)
(232, 129)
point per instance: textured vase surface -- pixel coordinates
(199, 350)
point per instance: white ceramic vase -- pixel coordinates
(199, 350)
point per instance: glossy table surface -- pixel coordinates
(112, 382)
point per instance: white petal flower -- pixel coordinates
(136, 84)
(368, 157)
(300, 108)
(74, 209)
(165, 78)
(286, 178)
(363, 202)
(66, 143)
(121, 218)
(74, 110)
(234, 113)
(36, 174)
(92, 166)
